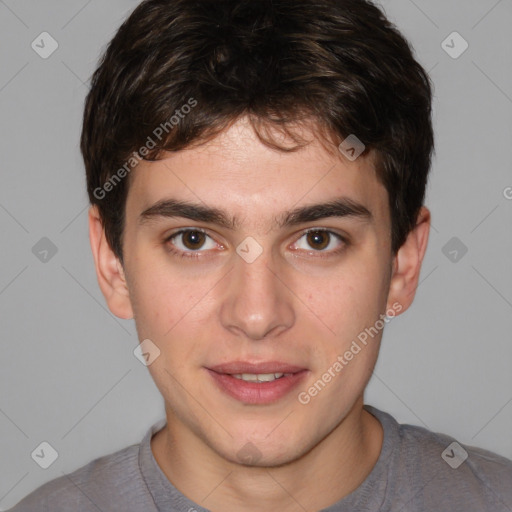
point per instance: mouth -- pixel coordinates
(257, 383)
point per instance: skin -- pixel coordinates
(290, 304)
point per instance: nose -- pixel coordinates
(257, 302)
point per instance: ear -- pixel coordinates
(109, 270)
(407, 263)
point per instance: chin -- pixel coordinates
(263, 451)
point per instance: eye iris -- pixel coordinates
(193, 239)
(318, 237)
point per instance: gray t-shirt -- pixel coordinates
(417, 471)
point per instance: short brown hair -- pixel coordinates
(339, 63)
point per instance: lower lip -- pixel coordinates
(254, 392)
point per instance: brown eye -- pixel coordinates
(193, 240)
(192, 243)
(318, 239)
(321, 241)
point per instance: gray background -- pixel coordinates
(68, 375)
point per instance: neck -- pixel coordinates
(334, 468)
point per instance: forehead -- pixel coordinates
(239, 174)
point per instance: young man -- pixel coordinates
(257, 171)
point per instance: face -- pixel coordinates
(226, 262)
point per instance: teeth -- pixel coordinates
(258, 377)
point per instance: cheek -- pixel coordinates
(348, 299)
(155, 300)
(171, 309)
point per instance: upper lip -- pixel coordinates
(238, 367)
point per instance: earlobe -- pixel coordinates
(109, 271)
(407, 263)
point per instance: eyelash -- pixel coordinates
(197, 254)
(177, 252)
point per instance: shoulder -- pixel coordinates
(112, 482)
(453, 456)
(444, 473)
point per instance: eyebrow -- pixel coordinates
(172, 208)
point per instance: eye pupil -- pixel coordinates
(193, 239)
(320, 239)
